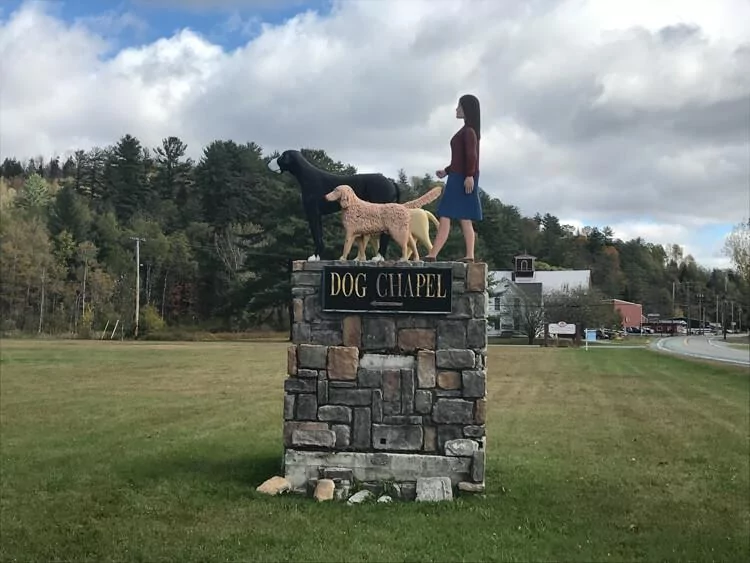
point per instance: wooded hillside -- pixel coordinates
(218, 236)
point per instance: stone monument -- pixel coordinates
(386, 377)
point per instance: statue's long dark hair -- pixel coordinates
(472, 115)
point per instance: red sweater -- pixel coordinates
(464, 153)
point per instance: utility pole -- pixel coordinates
(138, 242)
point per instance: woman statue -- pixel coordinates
(460, 198)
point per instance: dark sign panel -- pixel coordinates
(363, 289)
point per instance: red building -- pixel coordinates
(631, 313)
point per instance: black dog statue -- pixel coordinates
(316, 183)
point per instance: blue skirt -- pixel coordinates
(455, 203)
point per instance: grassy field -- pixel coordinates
(152, 451)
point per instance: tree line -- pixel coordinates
(216, 239)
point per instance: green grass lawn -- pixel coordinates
(152, 452)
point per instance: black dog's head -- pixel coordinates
(287, 161)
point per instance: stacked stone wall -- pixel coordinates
(376, 397)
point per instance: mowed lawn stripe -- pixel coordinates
(151, 452)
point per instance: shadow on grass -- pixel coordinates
(248, 470)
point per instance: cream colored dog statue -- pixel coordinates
(361, 217)
(419, 227)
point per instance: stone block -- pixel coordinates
(352, 331)
(413, 321)
(461, 307)
(473, 431)
(289, 407)
(430, 438)
(316, 266)
(313, 438)
(408, 386)
(377, 405)
(477, 466)
(480, 411)
(391, 408)
(324, 490)
(454, 359)
(274, 486)
(468, 487)
(343, 362)
(310, 279)
(402, 419)
(378, 334)
(297, 385)
(479, 304)
(338, 474)
(369, 378)
(446, 433)
(312, 308)
(361, 427)
(449, 379)
(300, 332)
(335, 413)
(399, 438)
(343, 435)
(459, 271)
(448, 393)
(312, 356)
(298, 265)
(307, 407)
(476, 277)
(298, 309)
(291, 360)
(459, 287)
(322, 392)
(391, 384)
(386, 361)
(301, 292)
(453, 411)
(434, 489)
(451, 334)
(350, 397)
(473, 383)
(300, 466)
(291, 426)
(412, 339)
(423, 402)
(342, 384)
(307, 373)
(461, 447)
(325, 337)
(426, 369)
(476, 334)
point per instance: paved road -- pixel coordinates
(704, 347)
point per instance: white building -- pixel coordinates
(505, 286)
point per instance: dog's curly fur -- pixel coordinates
(419, 228)
(364, 218)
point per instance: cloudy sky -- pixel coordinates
(630, 114)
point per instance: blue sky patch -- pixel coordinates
(128, 23)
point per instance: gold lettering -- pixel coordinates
(409, 287)
(430, 287)
(335, 284)
(381, 293)
(444, 293)
(395, 288)
(360, 290)
(421, 282)
(347, 285)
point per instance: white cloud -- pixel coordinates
(626, 115)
